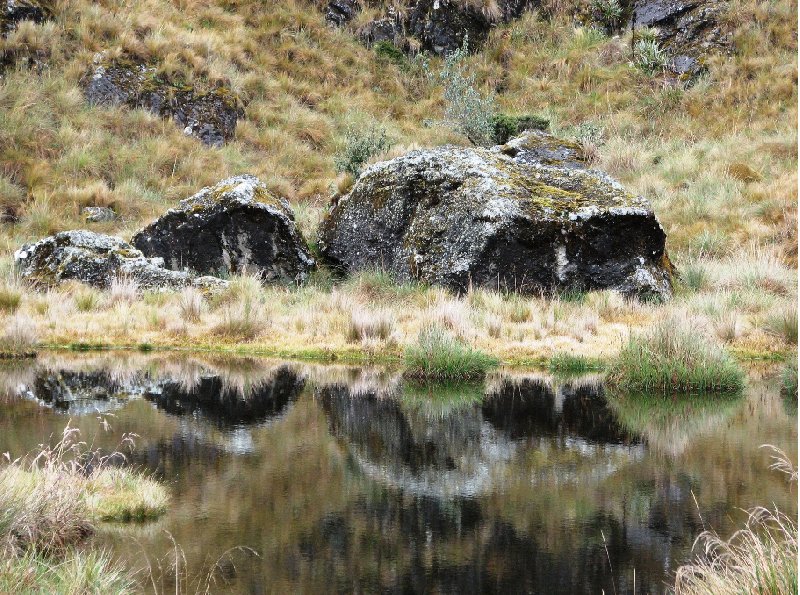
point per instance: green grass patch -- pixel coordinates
(438, 355)
(672, 357)
(567, 363)
(114, 494)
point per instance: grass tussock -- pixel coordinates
(674, 357)
(759, 558)
(568, 363)
(438, 355)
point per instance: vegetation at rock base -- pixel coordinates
(673, 357)
(49, 504)
(759, 558)
(438, 355)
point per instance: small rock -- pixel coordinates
(476, 217)
(97, 259)
(340, 12)
(236, 226)
(537, 146)
(98, 214)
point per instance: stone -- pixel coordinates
(340, 12)
(98, 214)
(689, 28)
(236, 226)
(386, 30)
(540, 147)
(13, 12)
(459, 217)
(97, 259)
(210, 116)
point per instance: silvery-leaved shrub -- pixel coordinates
(467, 110)
(609, 11)
(648, 56)
(360, 145)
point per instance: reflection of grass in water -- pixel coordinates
(440, 399)
(789, 384)
(670, 425)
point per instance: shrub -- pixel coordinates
(672, 356)
(506, 127)
(467, 110)
(609, 12)
(437, 355)
(649, 57)
(386, 50)
(360, 145)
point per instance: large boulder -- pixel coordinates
(237, 226)
(340, 12)
(97, 259)
(476, 217)
(209, 115)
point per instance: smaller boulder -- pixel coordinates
(97, 259)
(382, 30)
(98, 214)
(537, 146)
(237, 226)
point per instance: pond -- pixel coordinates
(344, 479)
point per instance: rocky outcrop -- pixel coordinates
(687, 28)
(537, 146)
(462, 217)
(13, 12)
(340, 12)
(237, 226)
(210, 115)
(440, 26)
(96, 260)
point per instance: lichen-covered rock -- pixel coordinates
(236, 226)
(687, 28)
(13, 12)
(386, 29)
(340, 12)
(97, 259)
(540, 147)
(475, 217)
(210, 116)
(98, 214)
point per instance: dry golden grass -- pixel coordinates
(718, 160)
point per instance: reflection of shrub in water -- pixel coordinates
(670, 425)
(439, 400)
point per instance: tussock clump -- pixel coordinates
(784, 325)
(365, 324)
(20, 334)
(568, 363)
(438, 355)
(10, 298)
(243, 321)
(672, 357)
(190, 304)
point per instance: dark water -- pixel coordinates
(347, 480)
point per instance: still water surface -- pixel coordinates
(349, 480)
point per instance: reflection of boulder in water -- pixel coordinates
(460, 547)
(228, 405)
(530, 407)
(440, 456)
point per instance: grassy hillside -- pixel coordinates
(718, 160)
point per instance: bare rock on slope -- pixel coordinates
(97, 259)
(340, 12)
(687, 28)
(236, 226)
(537, 146)
(210, 116)
(13, 12)
(475, 217)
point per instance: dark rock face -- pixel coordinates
(236, 226)
(97, 259)
(687, 28)
(340, 12)
(210, 116)
(537, 146)
(441, 26)
(460, 217)
(16, 11)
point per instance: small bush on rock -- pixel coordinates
(506, 127)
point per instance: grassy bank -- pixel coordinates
(49, 504)
(674, 356)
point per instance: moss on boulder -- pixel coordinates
(461, 217)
